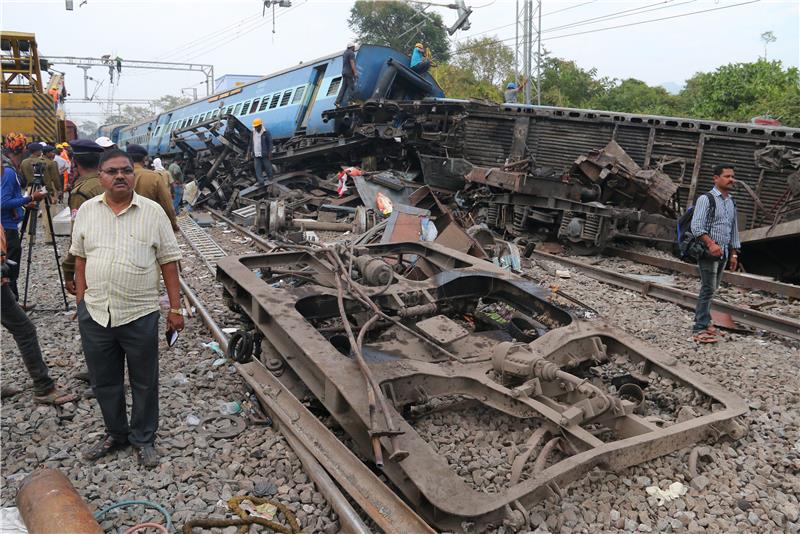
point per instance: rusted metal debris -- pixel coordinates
(430, 327)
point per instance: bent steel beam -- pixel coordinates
(519, 356)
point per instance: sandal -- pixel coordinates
(704, 337)
(104, 446)
(56, 397)
(714, 331)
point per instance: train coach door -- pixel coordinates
(311, 96)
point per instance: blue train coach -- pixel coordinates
(290, 102)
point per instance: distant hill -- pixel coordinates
(672, 87)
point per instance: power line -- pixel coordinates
(496, 41)
(608, 16)
(202, 40)
(655, 20)
(241, 33)
(514, 23)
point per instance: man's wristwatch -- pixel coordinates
(176, 311)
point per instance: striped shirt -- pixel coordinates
(121, 251)
(723, 229)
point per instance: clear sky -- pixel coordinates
(234, 37)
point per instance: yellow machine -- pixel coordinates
(24, 106)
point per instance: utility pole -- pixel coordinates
(531, 36)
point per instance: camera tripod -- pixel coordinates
(29, 221)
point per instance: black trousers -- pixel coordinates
(106, 350)
(348, 87)
(14, 253)
(19, 324)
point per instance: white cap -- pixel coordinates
(104, 142)
(351, 44)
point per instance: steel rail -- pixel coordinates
(772, 323)
(202, 244)
(260, 241)
(348, 518)
(732, 278)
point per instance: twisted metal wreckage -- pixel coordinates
(586, 177)
(412, 315)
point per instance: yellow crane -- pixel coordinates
(25, 107)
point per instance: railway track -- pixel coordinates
(777, 324)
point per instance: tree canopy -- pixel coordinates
(741, 91)
(399, 25)
(489, 61)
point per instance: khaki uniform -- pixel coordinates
(151, 185)
(85, 187)
(165, 176)
(51, 177)
(51, 181)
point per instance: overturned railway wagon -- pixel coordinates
(531, 151)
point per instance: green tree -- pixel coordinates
(170, 101)
(460, 82)
(740, 91)
(399, 25)
(635, 96)
(87, 129)
(565, 84)
(490, 61)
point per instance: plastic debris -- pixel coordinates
(230, 330)
(675, 490)
(219, 361)
(229, 408)
(192, 420)
(213, 345)
(428, 231)
(266, 511)
(384, 204)
(11, 521)
(563, 274)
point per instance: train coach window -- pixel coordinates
(275, 99)
(287, 95)
(264, 103)
(229, 109)
(215, 114)
(298, 94)
(237, 109)
(334, 87)
(253, 106)
(244, 109)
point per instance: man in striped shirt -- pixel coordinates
(717, 229)
(118, 239)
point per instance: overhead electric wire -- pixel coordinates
(654, 20)
(241, 33)
(481, 45)
(202, 40)
(514, 23)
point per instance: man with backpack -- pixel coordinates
(714, 227)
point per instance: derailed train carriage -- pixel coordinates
(584, 176)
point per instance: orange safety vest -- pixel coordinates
(64, 154)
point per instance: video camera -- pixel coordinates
(38, 175)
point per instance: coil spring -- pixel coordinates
(591, 227)
(520, 214)
(566, 217)
(492, 214)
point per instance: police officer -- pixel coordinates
(149, 184)
(86, 156)
(50, 179)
